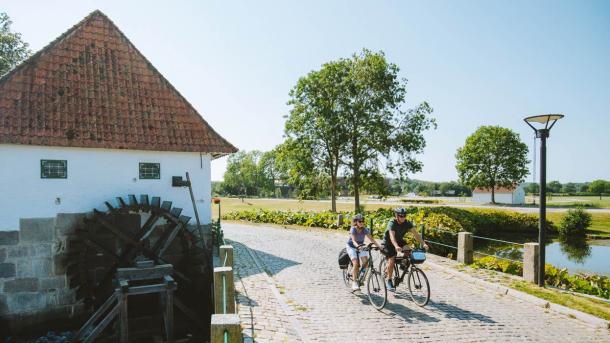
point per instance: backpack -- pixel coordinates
(343, 259)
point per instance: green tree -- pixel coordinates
(569, 187)
(314, 125)
(532, 188)
(599, 187)
(245, 175)
(13, 49)
(554, 187)
(375, 124)
(492, 156)
(299, 170)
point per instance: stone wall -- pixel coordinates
(33, 282)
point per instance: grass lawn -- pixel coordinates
(600, 226)
(574, 201)
(588, 305)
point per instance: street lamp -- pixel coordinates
(544, 123)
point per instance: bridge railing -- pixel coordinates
(225, 323)
(466, 252)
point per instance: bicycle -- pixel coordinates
(375, 282)
(417, 281)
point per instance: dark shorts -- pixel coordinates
(391, 249)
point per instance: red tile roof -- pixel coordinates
(92, 88)
(496, 190)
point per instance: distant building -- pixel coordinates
(503, 195)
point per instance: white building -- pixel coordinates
(87, 119)
(502, 195)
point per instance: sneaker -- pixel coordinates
(390, 286)
(355, 286)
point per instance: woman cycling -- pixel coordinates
(357, 233)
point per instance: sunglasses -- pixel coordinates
(359, 221)
(400, 215)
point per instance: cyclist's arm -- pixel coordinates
(371, 239)
(353, 236)
(419, 238)
(393, 239)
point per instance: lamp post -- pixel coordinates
(544, 122)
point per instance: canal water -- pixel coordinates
(578, 257)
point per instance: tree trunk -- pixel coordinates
(356, 191)
(333, 192)
(493, 194)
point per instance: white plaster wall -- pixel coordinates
(502, 198)
(519, 196)
(95, 176)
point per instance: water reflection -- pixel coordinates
(576, 249)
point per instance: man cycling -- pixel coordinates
(393, 240)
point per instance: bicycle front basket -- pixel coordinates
(418, 257)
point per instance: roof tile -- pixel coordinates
(92, 88)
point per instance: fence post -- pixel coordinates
(225, 322)
(339, 220)
(465, 251)
(228, 251)
(530, 262)
(224, 295)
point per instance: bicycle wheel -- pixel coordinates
(376, 290)
(347, 275)
(383, 265)
(419, 288)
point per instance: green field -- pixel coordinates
(574, 201)
(600, 226)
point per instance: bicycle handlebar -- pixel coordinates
(367, 247)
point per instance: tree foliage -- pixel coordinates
(314, 126)
(599, 187)
(492, 156)
(13, 49)
(348, 116)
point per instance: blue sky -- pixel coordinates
(476, 63)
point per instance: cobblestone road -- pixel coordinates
(290, 291)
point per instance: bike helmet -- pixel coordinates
(358, 217)
(400, 210)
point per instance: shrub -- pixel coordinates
(592, 284)
(574, 223)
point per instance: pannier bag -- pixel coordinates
(418, 256)
(343, 259)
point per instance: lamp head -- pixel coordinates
(545, 122)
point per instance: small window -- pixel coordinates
(150, 170)
(53, 169)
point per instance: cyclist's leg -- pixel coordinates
(391, 257)
(365, 261)
(354, 255)
(356, 269)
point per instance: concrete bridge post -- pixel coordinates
(530, 262)
(228, 323)
(224, 290)
(226, 251)
(465, 250)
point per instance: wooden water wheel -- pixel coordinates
(134, 230)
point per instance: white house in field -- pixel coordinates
(502, 195)
(88, 118)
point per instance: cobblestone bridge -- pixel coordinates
(289, 290)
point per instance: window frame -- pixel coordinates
(53, 176)
(142, 164)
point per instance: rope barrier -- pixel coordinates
(502, 258)
(445, 245)
(446, 231)
(496, 240)
(226, 334)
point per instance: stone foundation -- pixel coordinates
(33, 283)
